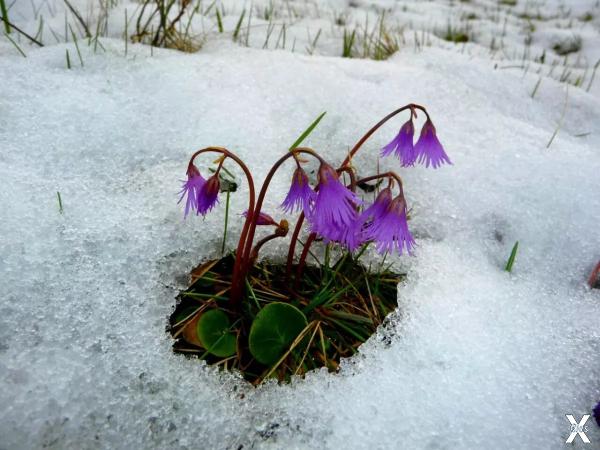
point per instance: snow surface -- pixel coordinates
(478, 358)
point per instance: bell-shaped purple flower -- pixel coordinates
(350, 236)
(390, 229)
(208, 195)
(428, 149)
(402, 145)
(334, 215)
(301, 196)
(191, 188)
(378, 208)
(263, 219)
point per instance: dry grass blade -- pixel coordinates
(286, 354)
(312, 338)
(199, 271)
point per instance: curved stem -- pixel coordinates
(279, 232)
(302, 261)
(357, 146)
(263, 192)
(237, 279)
(392, 175)
(292, 248)
(351, 174)
(344, 167)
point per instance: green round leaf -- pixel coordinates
(273, 330)
(215, 335)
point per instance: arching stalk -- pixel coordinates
(237, 280)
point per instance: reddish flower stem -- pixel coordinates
(302, 261)
(593, 281)
(292, 248)
(351, 175)
(244, 253)
(237, 279)
(392, 175)
(280, 231)
(261, 197)
(358, 145)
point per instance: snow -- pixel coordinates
(477, 357)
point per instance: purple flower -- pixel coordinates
(428, 149)
(191, 188)
(334, 213)
(263, 219)
(378, 208)
(208, 195)
(596, 412)
(300, 197)
(390, 229)
(402, 145)
(350, 236)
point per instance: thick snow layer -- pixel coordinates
(479, 358)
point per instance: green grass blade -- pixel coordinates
(252, 294)
(511, 259)
(77, 45)
(16, 45)
(4, 13)
(226, 221)
(60, 204)
(219, 21)
(307, 131)
(238, 26)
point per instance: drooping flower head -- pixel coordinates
(350, 236)
(208, 195)
(191, 188)
(334, 213)
(378, 208)
(402, 145)
(263, 219)
(428, 149)
(390, 230)
(301, 196)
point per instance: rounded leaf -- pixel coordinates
(215, 335)
(273, 330)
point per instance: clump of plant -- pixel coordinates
(571, 44)
(456, 35)
(268, 319)
(167, 23)
(378, 43)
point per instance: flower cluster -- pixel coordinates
(202, 195)
(427, 150)
(333, 210)
(334, 214)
